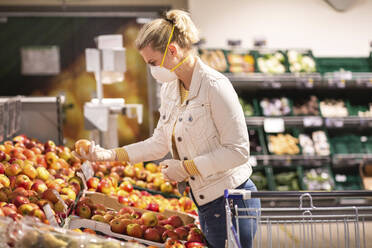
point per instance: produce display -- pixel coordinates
(146, 225)
(275, 106)
(318, 179)
(214, 58)
(316, 144)
(271, 63)
(240, 63)
(259, 180)
(299, 62)
(247, 107)
(366, 113)
(351, 144)
(307, 106)
(347, 181)
(286, 181)
(333, 108)
(283, 144)
(254, 142)
(361, 111)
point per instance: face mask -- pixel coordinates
(161, 74)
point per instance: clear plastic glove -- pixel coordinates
(174, 170)
(96, 153)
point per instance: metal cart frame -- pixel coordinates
(303, 226)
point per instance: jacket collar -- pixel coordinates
(195, 83)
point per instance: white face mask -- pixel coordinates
(162, 75)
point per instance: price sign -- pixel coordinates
(49, 215)
(334, 122)
(274, 125)
(364, 82)
(305, 82)
(87, 169)
(271, 83)
(313, 121)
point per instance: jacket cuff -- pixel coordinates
(121, 155)
(204, 166)
(191, 167)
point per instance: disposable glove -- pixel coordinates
(174, 170)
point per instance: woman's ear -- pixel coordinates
(172, 49)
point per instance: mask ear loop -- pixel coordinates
(166, 49)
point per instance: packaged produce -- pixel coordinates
(307, 144)
(299, 62)
(306, 106)
(259, 180)
(286, 181)
(247, 107)
(214, 58)
(254, 142)
(272, 63)
(275, 106)
(318, 179)
(282, 144)
(333, 108)
(316, 144)
(240, 62)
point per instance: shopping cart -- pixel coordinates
(303, 226)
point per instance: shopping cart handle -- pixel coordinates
(237, 194)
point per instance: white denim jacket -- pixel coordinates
(211, 130)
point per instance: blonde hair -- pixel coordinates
(156, 33)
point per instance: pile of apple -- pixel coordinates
(31, 175)
(147, 225)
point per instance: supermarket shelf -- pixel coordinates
(303, 81)
(289, 160)
(342, 160)
(315, 121)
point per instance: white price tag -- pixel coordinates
(274, 125)
(334, 122)
(313, 121)
(49, 215)
(305, 82)
(87, 169)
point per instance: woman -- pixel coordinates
(201, 123)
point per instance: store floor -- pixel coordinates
(323, 234)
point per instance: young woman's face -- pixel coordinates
(154, 58)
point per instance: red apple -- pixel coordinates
(149, 219)
(92, 183)
(195, 235)
(126, 210)
(4, 180)
(118, 225)
(13, 170)
(51, 158)
(169, 234)
(153, 207)
(195, 245)
(2, 155)
(19, 200)
(2, 167)
(152, 234)
(82, 144)
(83, 211)
(87, 201)
(38, 213)
(39, 186)
(160, 229)
(23, 181)
(135, 230)
(50, 195)
(25, 209)
(175, 221)
(181, 232)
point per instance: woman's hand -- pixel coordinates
(174, 170)
(96, 153)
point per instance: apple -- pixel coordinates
(50, 195)
(195, 245)
(166, 187)
(129, 171)
(69, 192)
(92, 183)
(119, 225)
(2, 155)
(108, 217)
(51, 158)
(82, 144)
(75, 187)
(42, 173)
(169, 227)
(169, 234)
(161, 229)
(38, 213)
(40, 160)
(175, 221)
(83, 211)
(185, 203)
(30, 171)
(127, 186)
(65, 155)
(2, 167)
(49, 145)
(119, 170)
(23, 181)
(12, 180)
(8, 210)
(4, 180)
(39, 186)
(19, 200)
(13, 170)
(30, 155)
(25, 209)
(105, 186)
(153, 168)
(98, 218)
(134, 230)
(195, 235)
(160, 217)
(153, 207)
(149, 219)
(152, 234)
(3, 196)
(181, 232)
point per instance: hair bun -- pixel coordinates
(182, 21)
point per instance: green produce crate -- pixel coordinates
(293, 103)
(261, 140)
(248, 107)
(318, 180)
(265, 53)
(327, 64)
(347, 144)
(240, 52)
(354, 109)
(348, 181)
(287, 178)
(302, 52)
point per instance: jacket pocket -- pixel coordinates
(195, 122)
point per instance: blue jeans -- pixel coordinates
(212, 218)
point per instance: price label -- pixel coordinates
(272, 84)
(312, 121)
(365, 122)
(87, 169)
(305, 82)
(364, 82)
(334, 122)
(49, 215)
(337, 82)
(274, 125)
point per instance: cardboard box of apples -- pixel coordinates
(104, 214)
